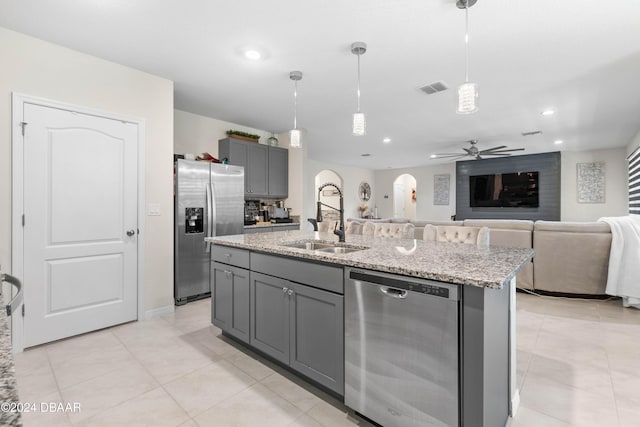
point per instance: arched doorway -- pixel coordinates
(404, 197)
(328, 196)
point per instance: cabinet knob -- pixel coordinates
(228, 273)
(284, 290)
(290, 291)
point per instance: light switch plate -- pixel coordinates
(153, 209)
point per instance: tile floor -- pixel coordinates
(578, 365)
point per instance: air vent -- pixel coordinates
(434, 87)
(535, 132)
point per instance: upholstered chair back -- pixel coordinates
(353, 227)
(457, 234)
(328, 226)
(388, 229)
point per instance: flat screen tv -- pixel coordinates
(513, 190)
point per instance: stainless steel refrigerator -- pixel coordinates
(209, 201)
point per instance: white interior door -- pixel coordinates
(80, 224)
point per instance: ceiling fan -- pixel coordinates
(478, 154)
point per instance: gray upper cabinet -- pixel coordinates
(266, 169)
(278, 172)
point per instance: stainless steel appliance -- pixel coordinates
(209, 201)
(401, 349)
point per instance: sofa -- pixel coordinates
(570, 257)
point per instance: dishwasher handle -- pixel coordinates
(393, 292)
(17, 300)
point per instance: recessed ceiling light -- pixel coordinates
(548, 112)
(386, 140)
(433, 156)
(365, 155)
(252, 54)
(558, 141)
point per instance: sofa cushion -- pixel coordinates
(388, 229)
(572, 227)
(457, 234)
(509, 224)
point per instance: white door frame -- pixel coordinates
(17, 194)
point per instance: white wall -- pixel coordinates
(634, 144)
(424, 207)
(34, 67)
(197, 134)
(616, 181)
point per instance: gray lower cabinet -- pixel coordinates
(300, 326)
(230, 301)
(258, 230)
(270, 315)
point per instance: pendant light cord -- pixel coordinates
(358, 82)
(466, 41)
(295, 104)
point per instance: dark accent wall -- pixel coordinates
(548, 166)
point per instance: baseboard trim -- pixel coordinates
(515, 403)
(149, 314)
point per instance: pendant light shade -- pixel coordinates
(294, 134)
(467, 92)
(359, 121)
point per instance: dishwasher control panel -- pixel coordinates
(409, 285)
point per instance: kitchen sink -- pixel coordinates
(324, 246)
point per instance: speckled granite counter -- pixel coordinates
(274, 225)
(461, 264)
(8, 386)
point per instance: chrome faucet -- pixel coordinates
(340, 232)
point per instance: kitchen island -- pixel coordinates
(9, 416)
(286, 296)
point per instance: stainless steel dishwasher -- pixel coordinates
(401, 349)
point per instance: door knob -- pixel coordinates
(130, 233)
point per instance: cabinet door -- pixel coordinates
(236, 152)
(257, 169)
(278, 172)
(270, 315)
(317, 336)
(230, 301)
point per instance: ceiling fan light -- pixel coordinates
(467, 98)
(294, 138)
(359, 124)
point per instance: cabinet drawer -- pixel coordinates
(231, 256)
(320, 276)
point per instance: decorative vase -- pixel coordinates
(272, 140)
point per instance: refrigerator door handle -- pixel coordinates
(210, 216)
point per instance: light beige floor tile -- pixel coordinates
(530, 418)
(91, 342)
(108, 390)
(143, 331)
(593, 377)
(627, 387)
(305, 421)
(253, 365)
(331, 416)
(568, 404)
(154, 408)
(208, 386)
(45, 416)
(294, 393)
(189, 423)
(86, 366)
(628, 411)
(168, 358)
(255, 406)
(34, 375)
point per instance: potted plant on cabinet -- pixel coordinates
(245, 136)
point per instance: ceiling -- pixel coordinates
(581, 58)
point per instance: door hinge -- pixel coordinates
(23, 125)
(23, 310)
(23, 220)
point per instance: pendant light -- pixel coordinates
(467, 92)
(294, 140)
(359, 122)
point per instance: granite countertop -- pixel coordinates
(281, 224)
(8, 386)
(457, 263)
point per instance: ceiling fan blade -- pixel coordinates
(468, 150)
(450, 154)
(445, 156)
(496, 154)
(493, 149)
(504, 151)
